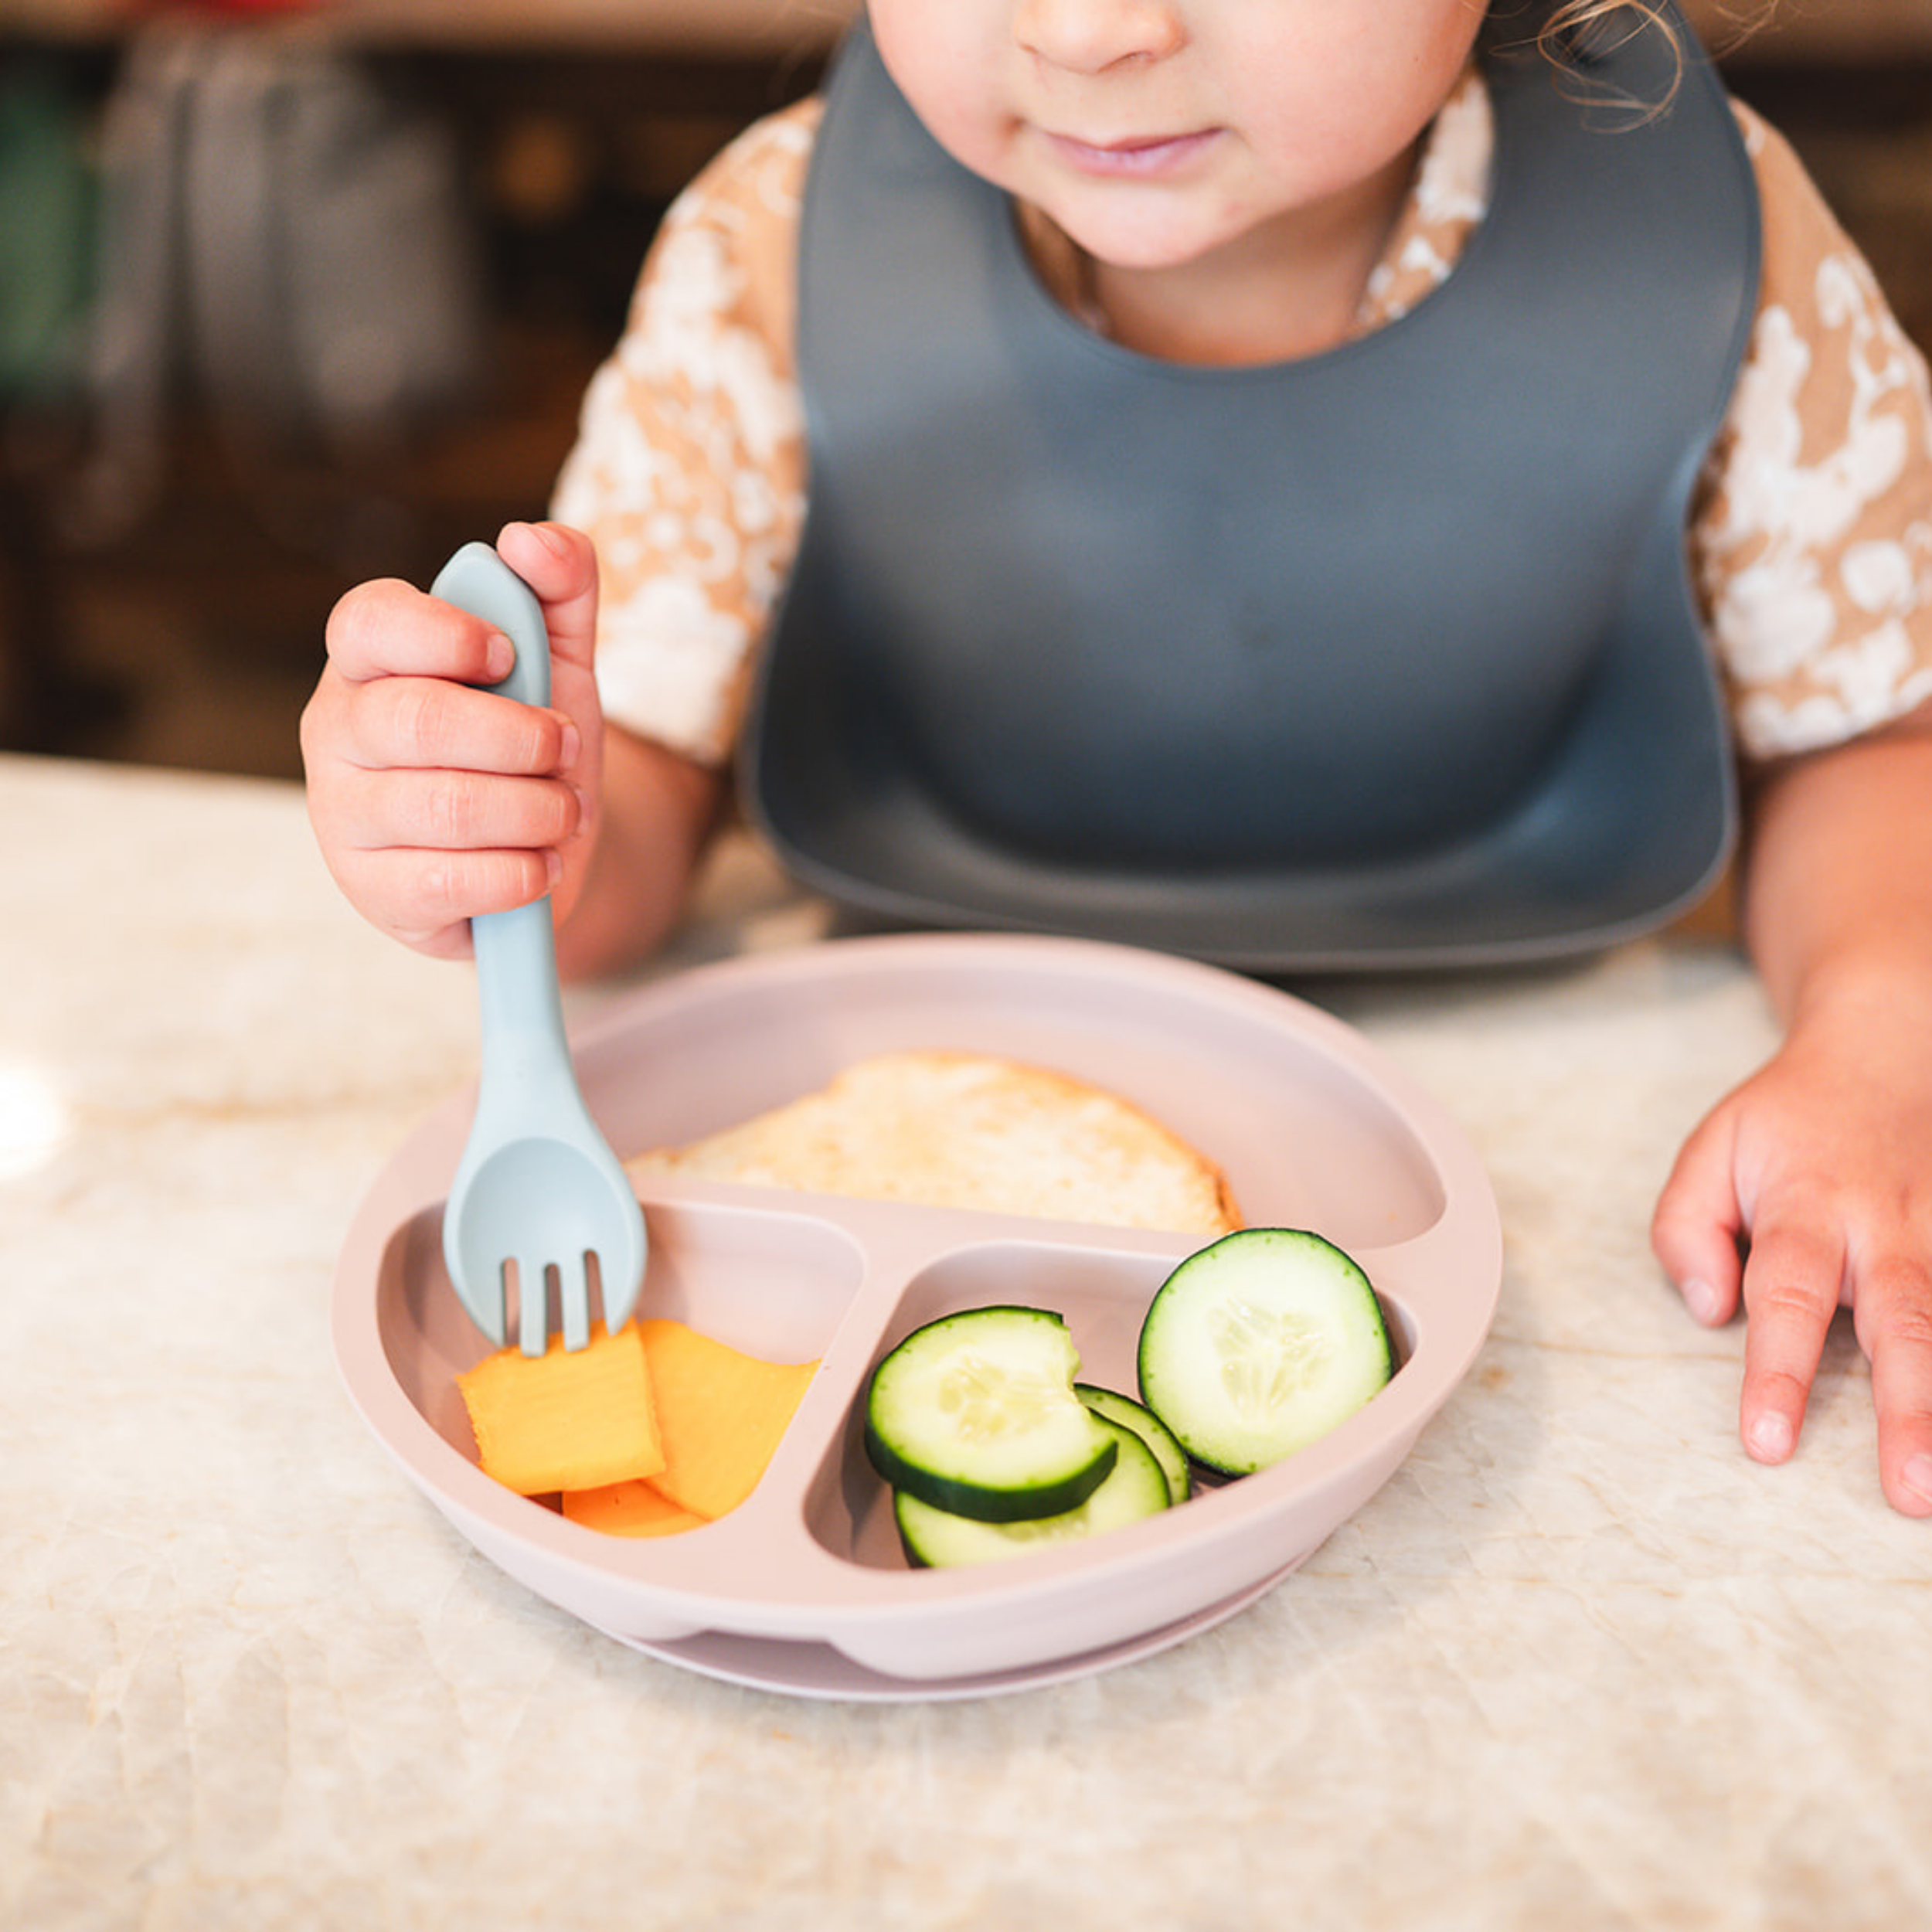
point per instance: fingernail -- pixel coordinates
(1771, 1438)
(544, 535)
(1701, 1298)
(499, 658)
(572, 744)
(1917, 1475)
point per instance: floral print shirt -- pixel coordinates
(1812, 539)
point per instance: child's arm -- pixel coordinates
(1822, 1162)
(433, 800)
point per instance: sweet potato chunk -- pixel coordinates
(568, 1419)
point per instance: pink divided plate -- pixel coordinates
(803, 1588)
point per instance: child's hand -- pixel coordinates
(1823, 1165)
(432, 800)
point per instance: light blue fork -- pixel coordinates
(539, 1194)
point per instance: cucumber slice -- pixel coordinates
(975, 1414)
(1261, 1343)
(1135, 1487)
(1110, 1406)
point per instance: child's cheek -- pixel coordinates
(947, 60)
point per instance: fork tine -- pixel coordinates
(573, 1300)
(493, 1317)
(533, 1306)
(619, 1279)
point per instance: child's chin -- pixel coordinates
(1142, 241)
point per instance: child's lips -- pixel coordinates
(1138, 156)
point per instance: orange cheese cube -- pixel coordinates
(721, 1414)
(568, 1419)
(629, 1509)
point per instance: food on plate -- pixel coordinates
(721, 1413)
(1253, 1348)
(1135, 1487)
(653, 1430)
(629, 1509)
(1111, 1407)
(568, 1419)
(975, 1414)
(1258, 1344)
(968, 1129)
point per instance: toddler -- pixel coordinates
(1294, 200)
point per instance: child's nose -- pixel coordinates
(1089, 36)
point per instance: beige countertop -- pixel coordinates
(1579, 1665)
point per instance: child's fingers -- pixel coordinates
(1835, 1214)
(434, 801)
(452, 811)
(1693, 1232)
(405, 722)
(1793, 1278)
(388, 628)
(420, 848)
(559, 564)
(1894, 1316)
(427, 899)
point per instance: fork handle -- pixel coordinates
(522, 1011)
(526, 1049)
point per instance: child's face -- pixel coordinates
(1153, 131)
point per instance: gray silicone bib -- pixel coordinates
(1384, 656)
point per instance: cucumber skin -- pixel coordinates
(1110, 1406)
(959, 1497)
(981, 1505)
(926, 1541)
(1206, 1445)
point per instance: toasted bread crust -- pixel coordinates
(948, 1129)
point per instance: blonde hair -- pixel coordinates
(1566, 31)
(1577, 17)
(1569, 32)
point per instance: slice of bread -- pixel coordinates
(971, 1131)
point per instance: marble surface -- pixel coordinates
(1579, 1665)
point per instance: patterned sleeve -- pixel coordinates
(1813, 542)
(688, 472)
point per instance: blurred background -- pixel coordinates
(214, 418)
